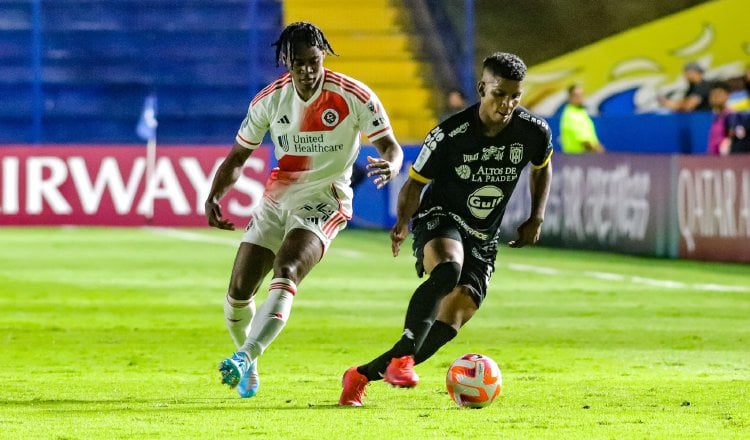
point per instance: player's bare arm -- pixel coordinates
(226, 176)
(539, 185)
(388, 165)
(408, 202)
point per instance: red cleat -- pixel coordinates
(400, 372)
(354, 384)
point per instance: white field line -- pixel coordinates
(668, 284)
(192, 236)
(202, 238)
(607, 276)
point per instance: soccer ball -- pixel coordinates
(474, 380)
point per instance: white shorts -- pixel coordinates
(321, 214)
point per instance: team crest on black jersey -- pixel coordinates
(330, 117)
(516, 153)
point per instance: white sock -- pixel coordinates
(272, 317)
(238, 314)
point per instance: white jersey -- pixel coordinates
(316, 141)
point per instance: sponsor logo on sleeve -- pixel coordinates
(424, 154)
(435, 136)
(461, 129)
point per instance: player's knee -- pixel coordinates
(242, 288)
(457, 308)
(288, 271)
(446, 275)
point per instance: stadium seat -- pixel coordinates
(204, 60)
(373, 48)
(99, 59)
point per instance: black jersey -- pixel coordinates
(473, 176)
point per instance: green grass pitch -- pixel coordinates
(116, 333)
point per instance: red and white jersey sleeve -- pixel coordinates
(316, 141)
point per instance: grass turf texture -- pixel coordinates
(116, 333)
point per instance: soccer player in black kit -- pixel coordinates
(470, 163)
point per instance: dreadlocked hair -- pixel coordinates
(505, 65)
(300, 32)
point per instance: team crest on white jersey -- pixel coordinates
(330, 117)
(516, 153)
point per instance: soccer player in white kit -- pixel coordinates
(314, 117)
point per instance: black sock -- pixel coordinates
(375, 369)
(439, 335)
(420, 315)
(423, 307)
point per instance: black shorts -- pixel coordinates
(479, 256)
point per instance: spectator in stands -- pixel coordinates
(738, 125)
(718, 134)
(696, 95)
(577, 131)
(455, 102)
(315, 117)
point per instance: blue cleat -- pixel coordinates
(250, 382)
(234, 368)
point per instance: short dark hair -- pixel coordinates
(572, 87)
(721, 85)
(505, 65)
(303, 32)
(695, 66)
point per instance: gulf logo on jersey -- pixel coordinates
(482, 201)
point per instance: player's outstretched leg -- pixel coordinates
(250, 382)
(354, 384)
(400, 372)
(234, 368)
